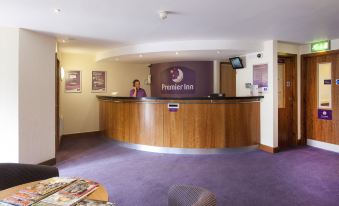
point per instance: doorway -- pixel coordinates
(320, 97)
(227, 79)
(287, 101)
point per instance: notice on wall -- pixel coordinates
(260, 77)
(73, 82)
(324, 114)
(98, 81)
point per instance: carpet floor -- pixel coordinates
(301, 176)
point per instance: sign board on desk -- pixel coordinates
(173, 107)
(324, 114)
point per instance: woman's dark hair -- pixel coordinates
(135, 81)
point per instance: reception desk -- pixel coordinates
(227, 122)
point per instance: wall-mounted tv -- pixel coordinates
(236, 63)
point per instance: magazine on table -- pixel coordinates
(17, 201)
(48, 186)
(72, 193)
(36, 192)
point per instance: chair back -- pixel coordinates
(187, 195)
(13, 174)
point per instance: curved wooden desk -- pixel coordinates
(199, 122)
(98, 194)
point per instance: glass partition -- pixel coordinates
(325, 85)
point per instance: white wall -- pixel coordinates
(269, 104)
(36, 97)
(27, 96)
(80, 111)
(9, 77)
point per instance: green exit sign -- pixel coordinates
(321, 46)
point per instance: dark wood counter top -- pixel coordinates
(102, 97)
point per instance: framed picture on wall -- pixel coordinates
(99, 81)
(73, 81)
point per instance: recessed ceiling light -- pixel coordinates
(218, 52)
(140, 56)
(57, 11)
(176, 53)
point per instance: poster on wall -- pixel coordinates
(260, 77)
(99, 81)
(73, 82)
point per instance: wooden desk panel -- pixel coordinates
(195, 125)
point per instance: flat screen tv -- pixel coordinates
(236, 63)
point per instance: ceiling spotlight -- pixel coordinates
(218, 52)
(163, 15)
(140, 55)
(57, 11)
(176, 53)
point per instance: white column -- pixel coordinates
(216, 76)
(269, 105)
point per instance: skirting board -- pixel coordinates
(268, 148)
(323, 145)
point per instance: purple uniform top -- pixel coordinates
(140, 93)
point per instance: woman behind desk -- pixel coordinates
(137, 91)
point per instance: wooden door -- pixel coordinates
(227, 80)
(314, 127)
(57, 91)
(287, 104)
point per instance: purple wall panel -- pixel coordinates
(182, 79)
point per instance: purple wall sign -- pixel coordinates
(327, 81)
(260, 75)
(182, 79)
(324, 114)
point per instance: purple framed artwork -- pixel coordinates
(324, 114)
(73, 81)
(99, 81)
(260, 76)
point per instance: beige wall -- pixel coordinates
(79, 112)
(36, 97)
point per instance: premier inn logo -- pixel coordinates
(178, 80)
(177, 75)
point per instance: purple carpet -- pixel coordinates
(303, 176)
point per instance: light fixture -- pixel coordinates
(140, 56)
(176, 53)
(62, 73)
(57, 11)
(163, 15)
(218, 52)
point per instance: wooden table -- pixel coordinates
(98, 194)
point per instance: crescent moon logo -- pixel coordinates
(180, 77)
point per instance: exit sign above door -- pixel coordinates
(321, 46)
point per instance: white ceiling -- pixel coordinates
(99, 25)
